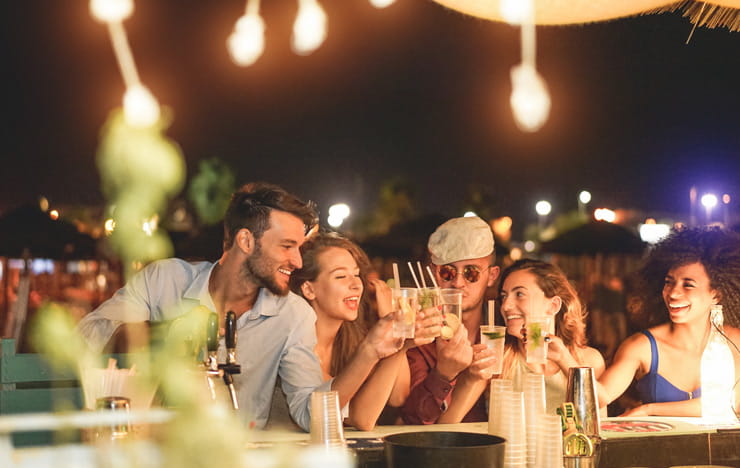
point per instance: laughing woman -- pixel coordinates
(333, 279)
(684, 278)
(532, 287)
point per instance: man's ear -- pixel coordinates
(307, 290)
(493, 273)
(245, 240)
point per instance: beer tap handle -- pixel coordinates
(211, 362)
(230, 330)
(212, 333)
(231, 366)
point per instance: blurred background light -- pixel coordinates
(652, 233)
(110, 11)
(381, 3)
(247, 42)
(605, 214)
(543, 207)
(309, 29)
(140, 107)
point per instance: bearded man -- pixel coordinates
(264, 227)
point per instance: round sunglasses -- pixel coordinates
(471, 273)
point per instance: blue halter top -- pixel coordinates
(654, 388)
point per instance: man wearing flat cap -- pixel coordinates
(462, 254)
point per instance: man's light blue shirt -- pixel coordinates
(277, 336)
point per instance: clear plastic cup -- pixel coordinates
(493, 336)
(498, 386)
(429, 297)
(405, 305)
(537, 329)
(326, 420)
(451, 301)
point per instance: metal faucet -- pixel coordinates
(225, 371)
(231, 367)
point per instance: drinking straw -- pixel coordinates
(491, 307)
(413, 275)
(431, 275)
(421, 274)
(396, 277)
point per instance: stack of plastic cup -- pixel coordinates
(534, 407)
(326, 420)
(494, 404)
(512, 429)
(549, 442)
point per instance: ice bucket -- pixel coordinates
(444, 450)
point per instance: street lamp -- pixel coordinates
(726, 208)
(709, 200)
(337, 214)
(583, 199)
(543, 208)
(605, 214)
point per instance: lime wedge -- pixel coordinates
(493, 335)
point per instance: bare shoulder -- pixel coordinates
(635, 345)
(593, 358)
(733, 334)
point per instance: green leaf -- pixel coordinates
(493, 335)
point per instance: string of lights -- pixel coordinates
(530, 99)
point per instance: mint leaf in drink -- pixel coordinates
(426, 298)
(535, 334)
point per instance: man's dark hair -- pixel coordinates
(251, 205)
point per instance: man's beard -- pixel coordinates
(259, 268)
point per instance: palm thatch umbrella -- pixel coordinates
(595, 237)
(713, 13)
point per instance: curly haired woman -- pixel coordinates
(684, 276)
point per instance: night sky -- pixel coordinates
(413, 90)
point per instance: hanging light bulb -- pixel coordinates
(140, 107)
(111, 10)
(515, 11)
(530, 99)
(247, 42)
(309, 29)
(381, 3)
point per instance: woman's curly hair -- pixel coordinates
(717, 249)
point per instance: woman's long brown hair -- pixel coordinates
(570, 324)
(350, 334)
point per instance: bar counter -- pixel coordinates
(627, 442)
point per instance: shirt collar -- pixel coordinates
(267, 303)
(198, 289)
